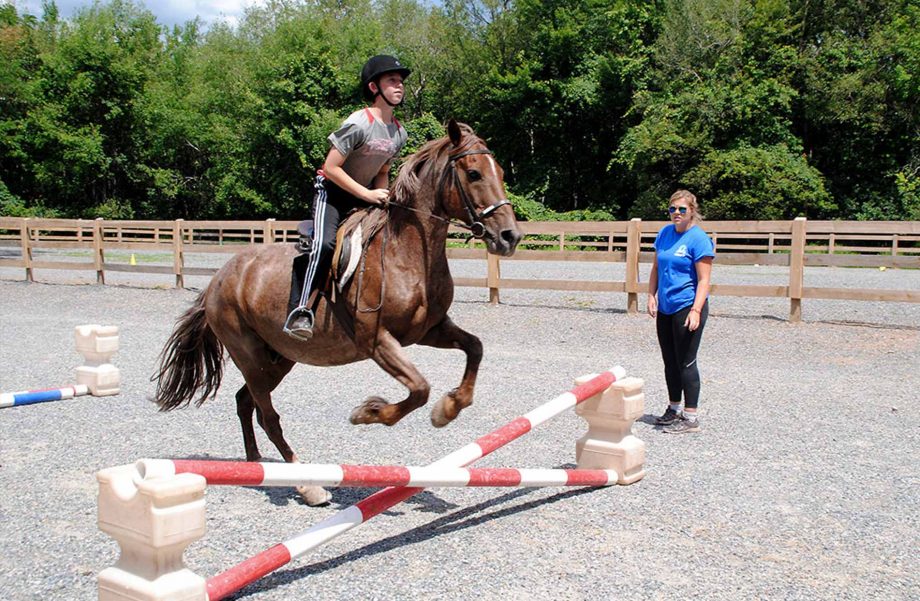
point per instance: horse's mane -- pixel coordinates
(429, 159)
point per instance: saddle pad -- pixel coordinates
(348, 246)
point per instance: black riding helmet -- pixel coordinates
(377, 66)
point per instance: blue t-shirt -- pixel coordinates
(677, 255)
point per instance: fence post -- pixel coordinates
(99, 250)
(492, 278)
(268, 231)
(831, 239)
(178, 256)
(797, 269)
(26, 245)
(633, 247)
(894, 245)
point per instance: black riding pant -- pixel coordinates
(678, 349)
(331, 205)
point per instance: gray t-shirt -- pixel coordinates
(367, 144)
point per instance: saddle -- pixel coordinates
(352, 237)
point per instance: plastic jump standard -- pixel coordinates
(241, 473)
(155, 519)
(96, 376)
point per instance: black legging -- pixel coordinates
(678, 349)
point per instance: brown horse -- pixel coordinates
(401, 297)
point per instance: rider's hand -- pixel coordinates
(378, 196)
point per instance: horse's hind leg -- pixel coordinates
(244, 410)
(448, 335)
(263, 372)
(390, 356)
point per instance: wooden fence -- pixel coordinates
(793, 244)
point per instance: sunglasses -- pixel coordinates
(681, 210)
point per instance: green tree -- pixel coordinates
(556, 81)
(718, 116)
(860, 104)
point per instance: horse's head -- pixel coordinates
(474, 192)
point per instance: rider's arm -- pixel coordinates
(382, 179)
(333, 171)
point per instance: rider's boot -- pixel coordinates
(299, 324)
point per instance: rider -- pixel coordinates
(356, 173)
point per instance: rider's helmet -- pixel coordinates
(374, 68)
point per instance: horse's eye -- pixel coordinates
(474, 175)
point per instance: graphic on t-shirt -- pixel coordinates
(682, 251)
(381, 145)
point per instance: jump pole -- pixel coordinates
(155, 519)
(30, 397)
(241, 473)
(268, 561)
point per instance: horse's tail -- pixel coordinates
(192, 360)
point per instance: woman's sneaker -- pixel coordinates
(668, 417)
(683, 425)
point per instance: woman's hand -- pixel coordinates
(693, 320)
(652, 305)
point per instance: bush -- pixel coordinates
(764, 182)
(527, 209)
(13, 206)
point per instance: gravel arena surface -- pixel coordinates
(803, 483)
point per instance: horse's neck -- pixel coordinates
(423, 229)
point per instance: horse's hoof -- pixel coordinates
(314, 495)
(439, 416)
(368, 412)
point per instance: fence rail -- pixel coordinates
(793, 244)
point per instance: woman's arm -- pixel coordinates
(703, 275)
(652, 303)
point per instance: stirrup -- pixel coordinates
(299, 324)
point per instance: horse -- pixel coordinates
(401, 297)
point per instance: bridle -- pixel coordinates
(475, 226)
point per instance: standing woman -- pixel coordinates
(678, 299)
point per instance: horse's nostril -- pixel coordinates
(511, 237)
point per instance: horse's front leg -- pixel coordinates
(390, 356)
(448, 335)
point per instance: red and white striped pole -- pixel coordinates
(239, 473)
(232, 580)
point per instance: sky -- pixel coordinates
(167, 12)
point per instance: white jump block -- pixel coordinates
(153, 521)
(97, 344)
(609, 442)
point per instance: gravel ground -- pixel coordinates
(802, 484)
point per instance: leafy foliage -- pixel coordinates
(595, 108)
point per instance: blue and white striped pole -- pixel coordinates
(30, 397)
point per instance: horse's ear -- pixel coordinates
(453, 131)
